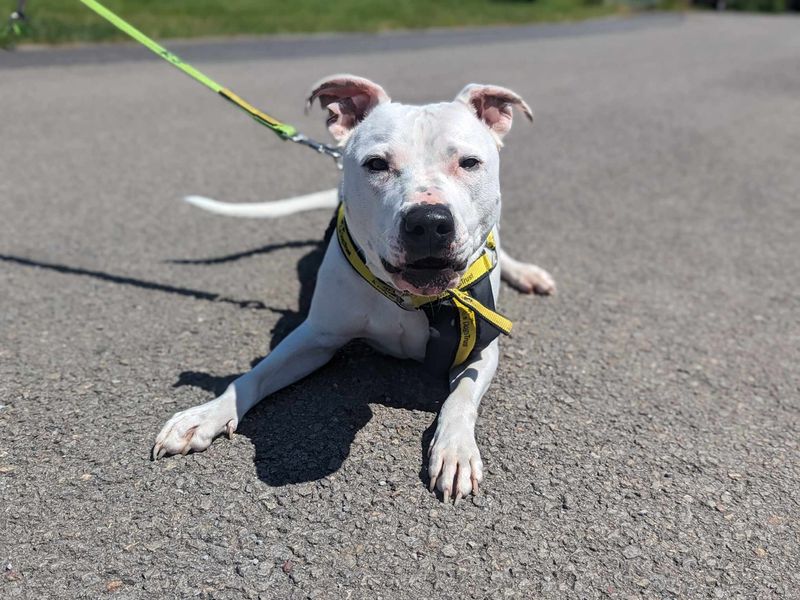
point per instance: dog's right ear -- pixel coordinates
(348, 99)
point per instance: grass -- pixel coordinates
(65, 21)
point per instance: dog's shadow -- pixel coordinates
(304, 432)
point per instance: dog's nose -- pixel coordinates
(427, 229)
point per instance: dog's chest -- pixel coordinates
(397, 332)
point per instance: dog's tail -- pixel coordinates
(268, 210)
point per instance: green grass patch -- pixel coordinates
(64, 21)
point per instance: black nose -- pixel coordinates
(427, 229)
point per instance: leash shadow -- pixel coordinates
(138, 283)
(307, 269)
(267, 249)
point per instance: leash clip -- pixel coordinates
(331, 151)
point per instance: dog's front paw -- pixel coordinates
(530, 279)
(454, 463)
(194, 429)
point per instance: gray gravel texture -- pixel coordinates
(641, 436)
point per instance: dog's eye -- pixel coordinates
(376, 164)
(469, 163)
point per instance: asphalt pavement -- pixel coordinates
(640, 438)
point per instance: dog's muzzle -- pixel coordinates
(427, 234)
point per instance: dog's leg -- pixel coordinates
(454, 464)
(525, 277)
(303, 351)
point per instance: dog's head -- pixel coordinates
(421, 183)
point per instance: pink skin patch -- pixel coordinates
(426, 195)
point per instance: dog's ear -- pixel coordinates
(494, 106)
(348, 99)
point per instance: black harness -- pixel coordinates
(446, 334)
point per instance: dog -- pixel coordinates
(417, 227)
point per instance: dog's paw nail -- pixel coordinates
(543, 290)
(161, 453)
(230, 428)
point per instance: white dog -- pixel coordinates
(411, 268)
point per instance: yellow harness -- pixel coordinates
(468, 307)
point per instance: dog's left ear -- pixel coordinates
(493, 105)
(349, 99)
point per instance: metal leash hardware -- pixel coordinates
(327, 149)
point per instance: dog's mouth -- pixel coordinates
(427, 276)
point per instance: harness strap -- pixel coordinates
(468, 334)
(492, 317)
(468, 307)
(351, 254)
